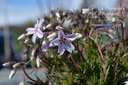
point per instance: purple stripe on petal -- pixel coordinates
(55, 41)
(70, 37)
(61, 49)
(39, 33)
(61, 34)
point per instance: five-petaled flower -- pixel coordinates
(36, 30)
(64, 42)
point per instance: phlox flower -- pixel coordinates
(36, 30)
(64, 42)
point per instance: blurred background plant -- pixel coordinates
(100, 55)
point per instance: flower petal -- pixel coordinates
(45, 45)
(69, 46)
(55, 41)
(39, 23)
(61, 49)
(61, 34)
(30, 30)
(71, 37)
(34, 38)
(39, 33)
(72, 46)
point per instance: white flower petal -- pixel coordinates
(55, 41)
(69, 46)
(34, 38)
(39, 23)
(61, 49)
(30, 30)
(57, 14)
(70, 37)
(39, 33)
(72, 46)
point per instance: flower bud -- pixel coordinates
(26, 40)
(44, 27)
(87, 21)
(12, 74)
(49, 25)
(57, 14)
(21, 37)
(27, 34)
(59, 28)
(9, 63)
(38, 61)
(33, 52)
(22, 82)
(78, 35)
(113, 19)
(32, 58)
(51, 36)
(17, 65)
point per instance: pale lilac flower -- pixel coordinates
(36, 30)
(47, 43)
(64, 42)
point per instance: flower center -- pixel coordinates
(62, 40)
(35, 30)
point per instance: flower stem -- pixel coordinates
(28, 75)
(101, 55)
(80, 72)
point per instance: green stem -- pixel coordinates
(80, 72)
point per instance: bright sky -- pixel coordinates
(106, 3)
(20, 11)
